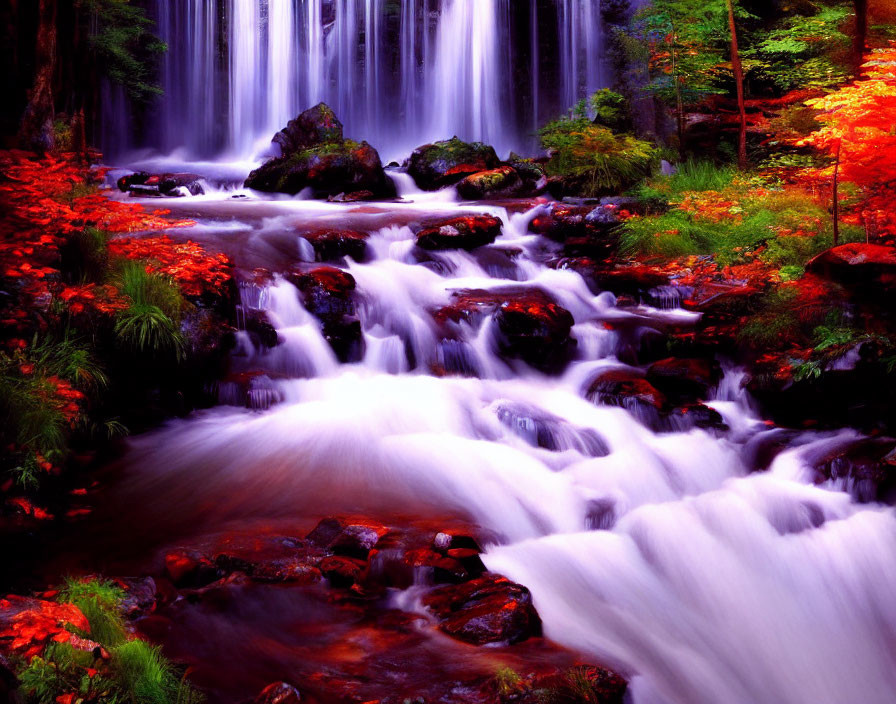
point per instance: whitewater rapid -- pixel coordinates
(660, 554)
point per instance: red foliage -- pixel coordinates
(195, 270)
(27, 626)
(45, 200)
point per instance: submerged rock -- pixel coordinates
(441, 164)
(315, 155)
(466, 232)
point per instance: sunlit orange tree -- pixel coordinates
(859, 134)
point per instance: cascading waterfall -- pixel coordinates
(660, 554)
(465, 73)
(397, 74)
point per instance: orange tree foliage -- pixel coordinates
(859, 128)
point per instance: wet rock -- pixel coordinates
(695, 415)
(343, 572)
(866, 268)
(345, 538)
(357, 540)
(314, 155)
(441, 164)
(442, 568)
(259, 327)
(624, 388)
(684, 378)
(327, 295)
(467, 232)
(490, 609)
(866, 468)
(636, 280)
(531, 326)
(140, 596)
(584, 683)
(584, 231)
(171, 185)
(537, 330)
(503, 182)
(187, 568)
(333, 245)
(317, 125)
(541, 429)
(278, 693)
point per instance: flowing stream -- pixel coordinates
(661, 554)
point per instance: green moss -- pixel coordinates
(342, 148)
(456, 150)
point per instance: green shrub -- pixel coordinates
(144, 288)
(29, 424)
(68, 358)
(599, 160)
(611, 110)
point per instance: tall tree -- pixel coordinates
(860, 38)
(738, 71)
(36, 130)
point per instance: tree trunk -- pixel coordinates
(835, 211)
(37, 123)
(738, 71)
(860, 37)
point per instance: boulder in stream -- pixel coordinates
(434, 166)
(315, 155)
(490, 609)
(327, 293)
(465, 232)
(168, 185)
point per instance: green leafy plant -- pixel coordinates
(593, 156)
(151, 323)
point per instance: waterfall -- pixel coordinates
(397, 74)
(464, 97)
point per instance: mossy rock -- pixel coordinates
(441, 164)
(315, 155)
